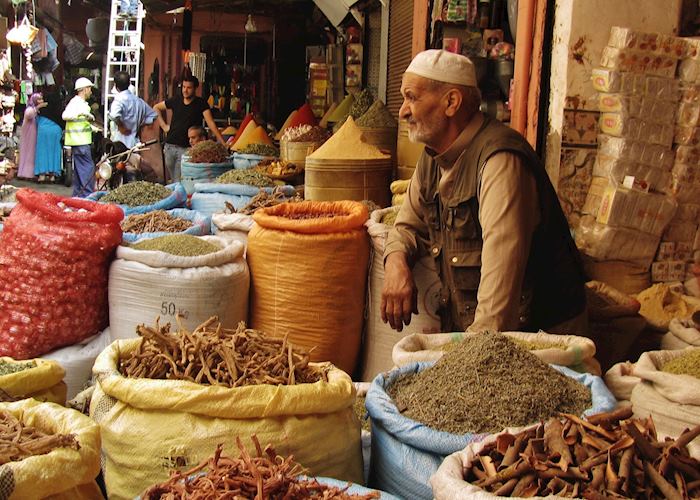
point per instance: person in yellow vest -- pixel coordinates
(78, 117)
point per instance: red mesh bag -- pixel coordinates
(54, 263)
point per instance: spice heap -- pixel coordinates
(660, 305)
(183, 245)
(361, 413)
(19, 441)
(685, 364)
(377, 116)
(264, 475)
(347, 143)
(208, 152)
(136, 194)
(249, 177)
(525, 344)
(314, 134)
(389, 218)
(606, 456)
(263, 200)
(259, 149)
(484, 384)
(359, 107)
(212, 355)
(279, 169)
(156, 221)
(10, 367)
(292, 133)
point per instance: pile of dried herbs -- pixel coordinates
(19, 441)
(248, 177)
(484, 384)
(377, 116)
(686, 364)
(208, 152)
(260, 149)
(183, 245)
(361, 413)
(314, 134)
(136, 194)
(9, 367)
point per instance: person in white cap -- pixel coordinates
(78, 117)
(481, 204)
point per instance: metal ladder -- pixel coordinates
(123, 53)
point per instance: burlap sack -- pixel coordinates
(681, 334)
(621, 380)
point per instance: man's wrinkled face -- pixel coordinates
(194, 137)
(422, 108)
(188, 90)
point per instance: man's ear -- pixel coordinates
(453, 101)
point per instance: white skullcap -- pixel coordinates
(443, 66)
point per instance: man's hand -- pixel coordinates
(165, 127)
(123, 130)
(399, 296)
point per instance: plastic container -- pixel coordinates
(336, 180)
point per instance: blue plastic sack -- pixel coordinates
(405, 453)
(211, 198)
(193, 173)
(201, 226)
(242, 161)
(178, 199)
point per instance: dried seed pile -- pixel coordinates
(208, 152)
(156, 221)
(484, 384)
(525, 344)
(212, 355)
(361, 413)
(136, 194)
(609, 455)
(19, 441)
(260, 149)
(314, 134)
(9, 367)
(686, 364)
(249, 177)
(377, 116)
(183, 245)
(264, 475)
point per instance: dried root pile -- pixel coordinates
(610, 455)
(208, 152)
(263, 200)
(19, 441)
(263, 476)
(154, 222)
(213, 355)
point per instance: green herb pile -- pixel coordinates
(208, 152)
(183, 245)
(686, 364)
(136, 194)
(377, 116)
(260, 149)
(9, 367)
(248, 177)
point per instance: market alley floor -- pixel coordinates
(58, 189)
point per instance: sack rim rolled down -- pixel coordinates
(351, 216)
(65, 421)
(681, 389)
(230, 251)
(46, 205)
(248, 402)
(44, 375)
(382, 409)
(198, 220)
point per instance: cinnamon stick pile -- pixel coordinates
(213, 355)
(263, 476)
(609, 455)
(19, 441)
(156, 221)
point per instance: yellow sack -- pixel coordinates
(308, 273)
(399, 187)
(152, 426)
(44, 382)
(63, 473)
(397, 199)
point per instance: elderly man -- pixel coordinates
(481, 201)
(128, 112)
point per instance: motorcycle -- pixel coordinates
(119, 165)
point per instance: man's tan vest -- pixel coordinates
(553, 289)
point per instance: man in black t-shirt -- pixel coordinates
(188, 110)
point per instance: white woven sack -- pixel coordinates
(682, 333)
(579, 355)
(232, 227)
(448, 482)
(380, 337)
(144, 285)
(77, 361)
(672, 400)
(621, 380)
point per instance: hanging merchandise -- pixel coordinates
(22, 33)
(187, 26)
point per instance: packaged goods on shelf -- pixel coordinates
(687, 136)
(617, 169)
(623, 125)
(595, 195)
(685, 182)
(681, 232)
(629, 149)
(664, 89)
(690, 93)
(673, 270)
(657, 43)
(666, 251)
(610, 80)
(603, 242)
(648, 108)
(688, 114)
(689, 71)
(687, 212)
(687, 154)
(646, 212)
(638, 62)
